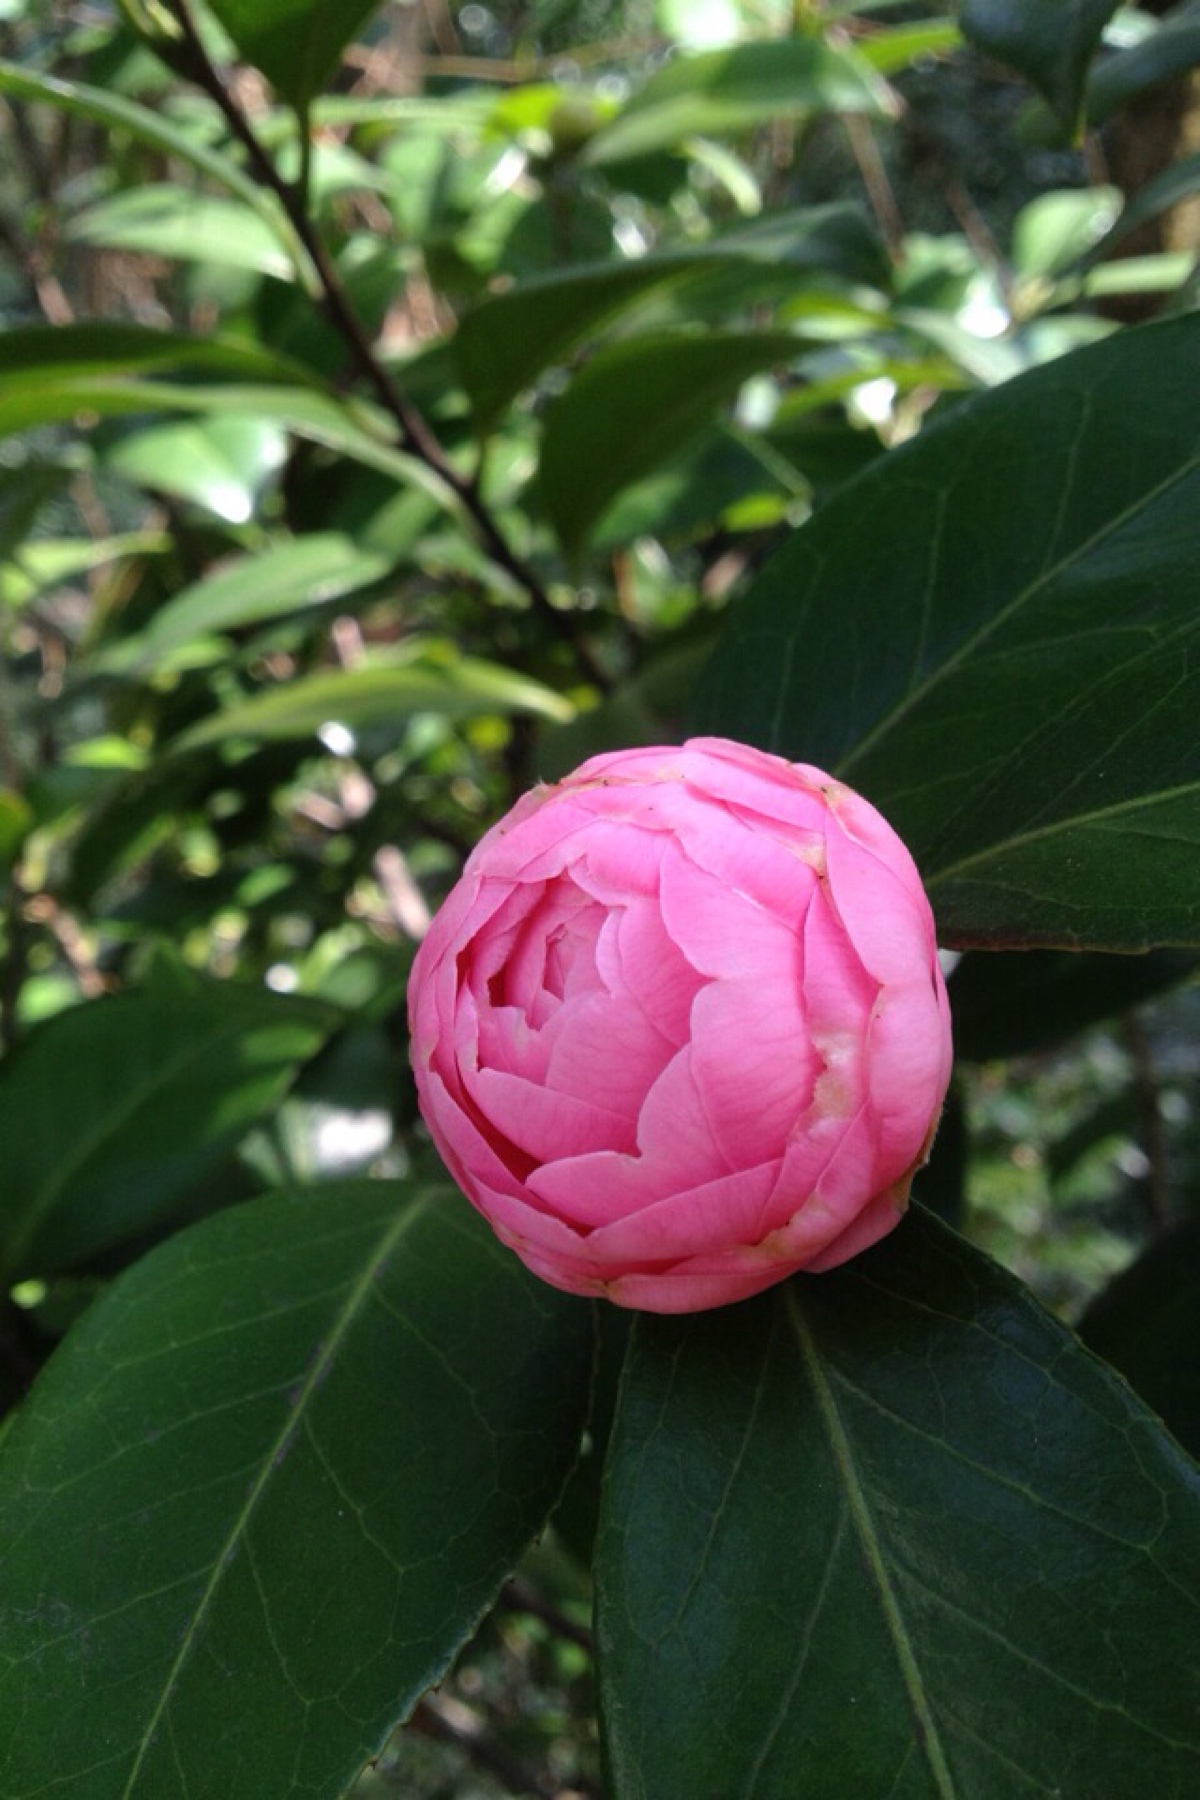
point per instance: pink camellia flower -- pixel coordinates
(680, 1029)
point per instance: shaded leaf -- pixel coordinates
(24, 491)
(1158, 196)
(296, 43)
(1170, 50)
(112, 1112)
(997, 644)
(1051, 46)
(107, 348)
(1144, 1323)
(266, 1490)
(893, 1527)
(630, 407)
(1012, 1005)
(721, 91)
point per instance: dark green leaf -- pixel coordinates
(265, 1492)
(1052, 46)
(379, 695)
(720, 91)
(993, 633)
(24, 491)
(1158, 196)
(631, 407)
(296, 43)
(891, 1531)
(112, 1112)
(1011, 1005)
(1145, 1325)
(508, 339)
(1173, 49)
(108, 348)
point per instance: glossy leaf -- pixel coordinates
(218, 464)
(1144, 1323)
(1020, 703)
(631, 407)
(720, 91)
(296, 43)
(378, 695)
(892, 1531)
(266, 1491)
(308, 570)
(113, 1112)
(1052, 46)
(509, 338)
(1012, 1005)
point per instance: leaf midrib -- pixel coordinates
(1024, 596)
(271, 1459)
(864, 1525)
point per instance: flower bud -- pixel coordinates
(680, 1029)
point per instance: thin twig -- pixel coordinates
(1153, 1131)
(414, 432)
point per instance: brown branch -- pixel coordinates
(414, 432)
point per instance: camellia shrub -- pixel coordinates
(550, 556)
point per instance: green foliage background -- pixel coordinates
(398, 404)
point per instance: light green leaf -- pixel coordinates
(171, 221)
(219, 464)
(1058, 229)
(379, 695)
(994, 633)
(113, 1112)
(265, 1492)
(892, 1531)
(631, 407)
(722, 91)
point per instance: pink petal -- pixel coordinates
(723, 1212)
(719, 930)
(544, 1123)
(753, 1063)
